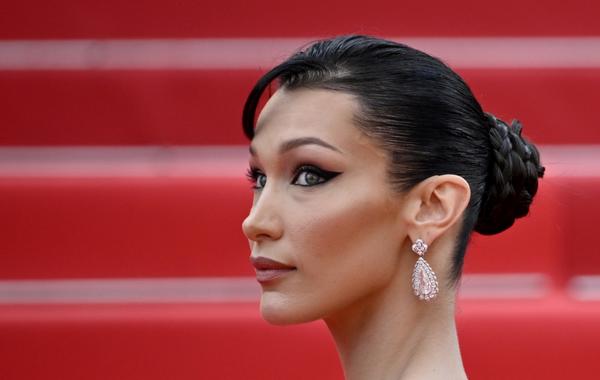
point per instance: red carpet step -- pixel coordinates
(110, 213)
(550, 338)
(188, 18)
(192, 107)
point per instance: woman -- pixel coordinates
(371, 164)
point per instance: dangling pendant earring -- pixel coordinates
(424, 281)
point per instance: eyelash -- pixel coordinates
(253, 173)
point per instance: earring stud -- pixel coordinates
(424, 280)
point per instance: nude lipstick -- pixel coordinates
(268, 269)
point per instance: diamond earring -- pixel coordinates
(424, 281)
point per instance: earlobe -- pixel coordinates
(435, 205)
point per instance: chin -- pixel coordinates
(277, 311)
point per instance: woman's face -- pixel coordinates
(322, 204)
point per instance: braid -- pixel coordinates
(512, 179)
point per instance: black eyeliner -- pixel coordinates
(325, 174)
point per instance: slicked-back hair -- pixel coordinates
(427, 120)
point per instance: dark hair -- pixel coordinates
(427, 120)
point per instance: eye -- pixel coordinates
(256, 178)
(309, 175)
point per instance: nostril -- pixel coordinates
(263, 222)
(261, 229)
(247, 228)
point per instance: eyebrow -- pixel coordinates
(297, 142)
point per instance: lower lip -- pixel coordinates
(267, 275)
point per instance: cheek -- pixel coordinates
(341, 226)
(345, 247)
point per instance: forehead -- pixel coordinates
(326, 114)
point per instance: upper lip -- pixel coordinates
(261, 262)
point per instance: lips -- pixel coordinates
(269, 269)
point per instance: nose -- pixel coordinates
(264, 220)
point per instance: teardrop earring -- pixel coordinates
(424, 281)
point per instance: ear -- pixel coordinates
(435, 205)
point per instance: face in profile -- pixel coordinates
(323, 208)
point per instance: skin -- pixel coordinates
(349, 239)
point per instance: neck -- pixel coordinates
(387, 336)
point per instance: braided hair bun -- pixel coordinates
(512, 180)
